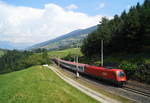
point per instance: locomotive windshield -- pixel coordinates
(121, 74)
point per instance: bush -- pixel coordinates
(129, 68)
(142, 74)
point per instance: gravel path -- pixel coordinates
(99, 97)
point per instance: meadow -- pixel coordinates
(65, 52)
(38, 84)
(1, 53)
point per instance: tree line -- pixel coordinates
(129, 32)
(14, 60)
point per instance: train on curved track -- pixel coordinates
(115, 76)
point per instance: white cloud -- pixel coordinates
(72, 7)
(101, 5)
(20, 24)
(128, 6)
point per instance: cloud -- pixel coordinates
(101, 5)
(128, 6)
(19, 24)
(72, 7)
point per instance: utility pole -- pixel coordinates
(58, 62)
(74, 58)
(102, 53)
(77, 64)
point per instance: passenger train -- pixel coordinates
(115, 76)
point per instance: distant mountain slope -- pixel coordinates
(11, 46)
(65, 41)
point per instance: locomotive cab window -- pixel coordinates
(121, 74)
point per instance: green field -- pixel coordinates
(63, 53)
(38, 84)
(1, 53)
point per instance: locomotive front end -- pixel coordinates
(121, 77)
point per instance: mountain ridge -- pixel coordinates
(65, 40)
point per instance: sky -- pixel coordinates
(35, 21)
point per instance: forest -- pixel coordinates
(129, 32)
(127, 36)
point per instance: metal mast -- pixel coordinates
(77, 64)
(102, 53)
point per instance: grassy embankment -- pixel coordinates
(38, 84)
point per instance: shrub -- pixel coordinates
(142, 74)
(129, 68)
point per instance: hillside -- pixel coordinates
(64, 53)
(38, 84)
(65, 41)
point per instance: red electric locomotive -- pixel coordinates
(116, 76)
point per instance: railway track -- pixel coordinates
(88, 79)
(99, 97)
(139, 95)
(128, 88)
(146, 94)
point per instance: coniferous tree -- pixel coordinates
(129, 32)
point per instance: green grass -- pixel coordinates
(38, 84)
(1, 53)
(63, 53)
